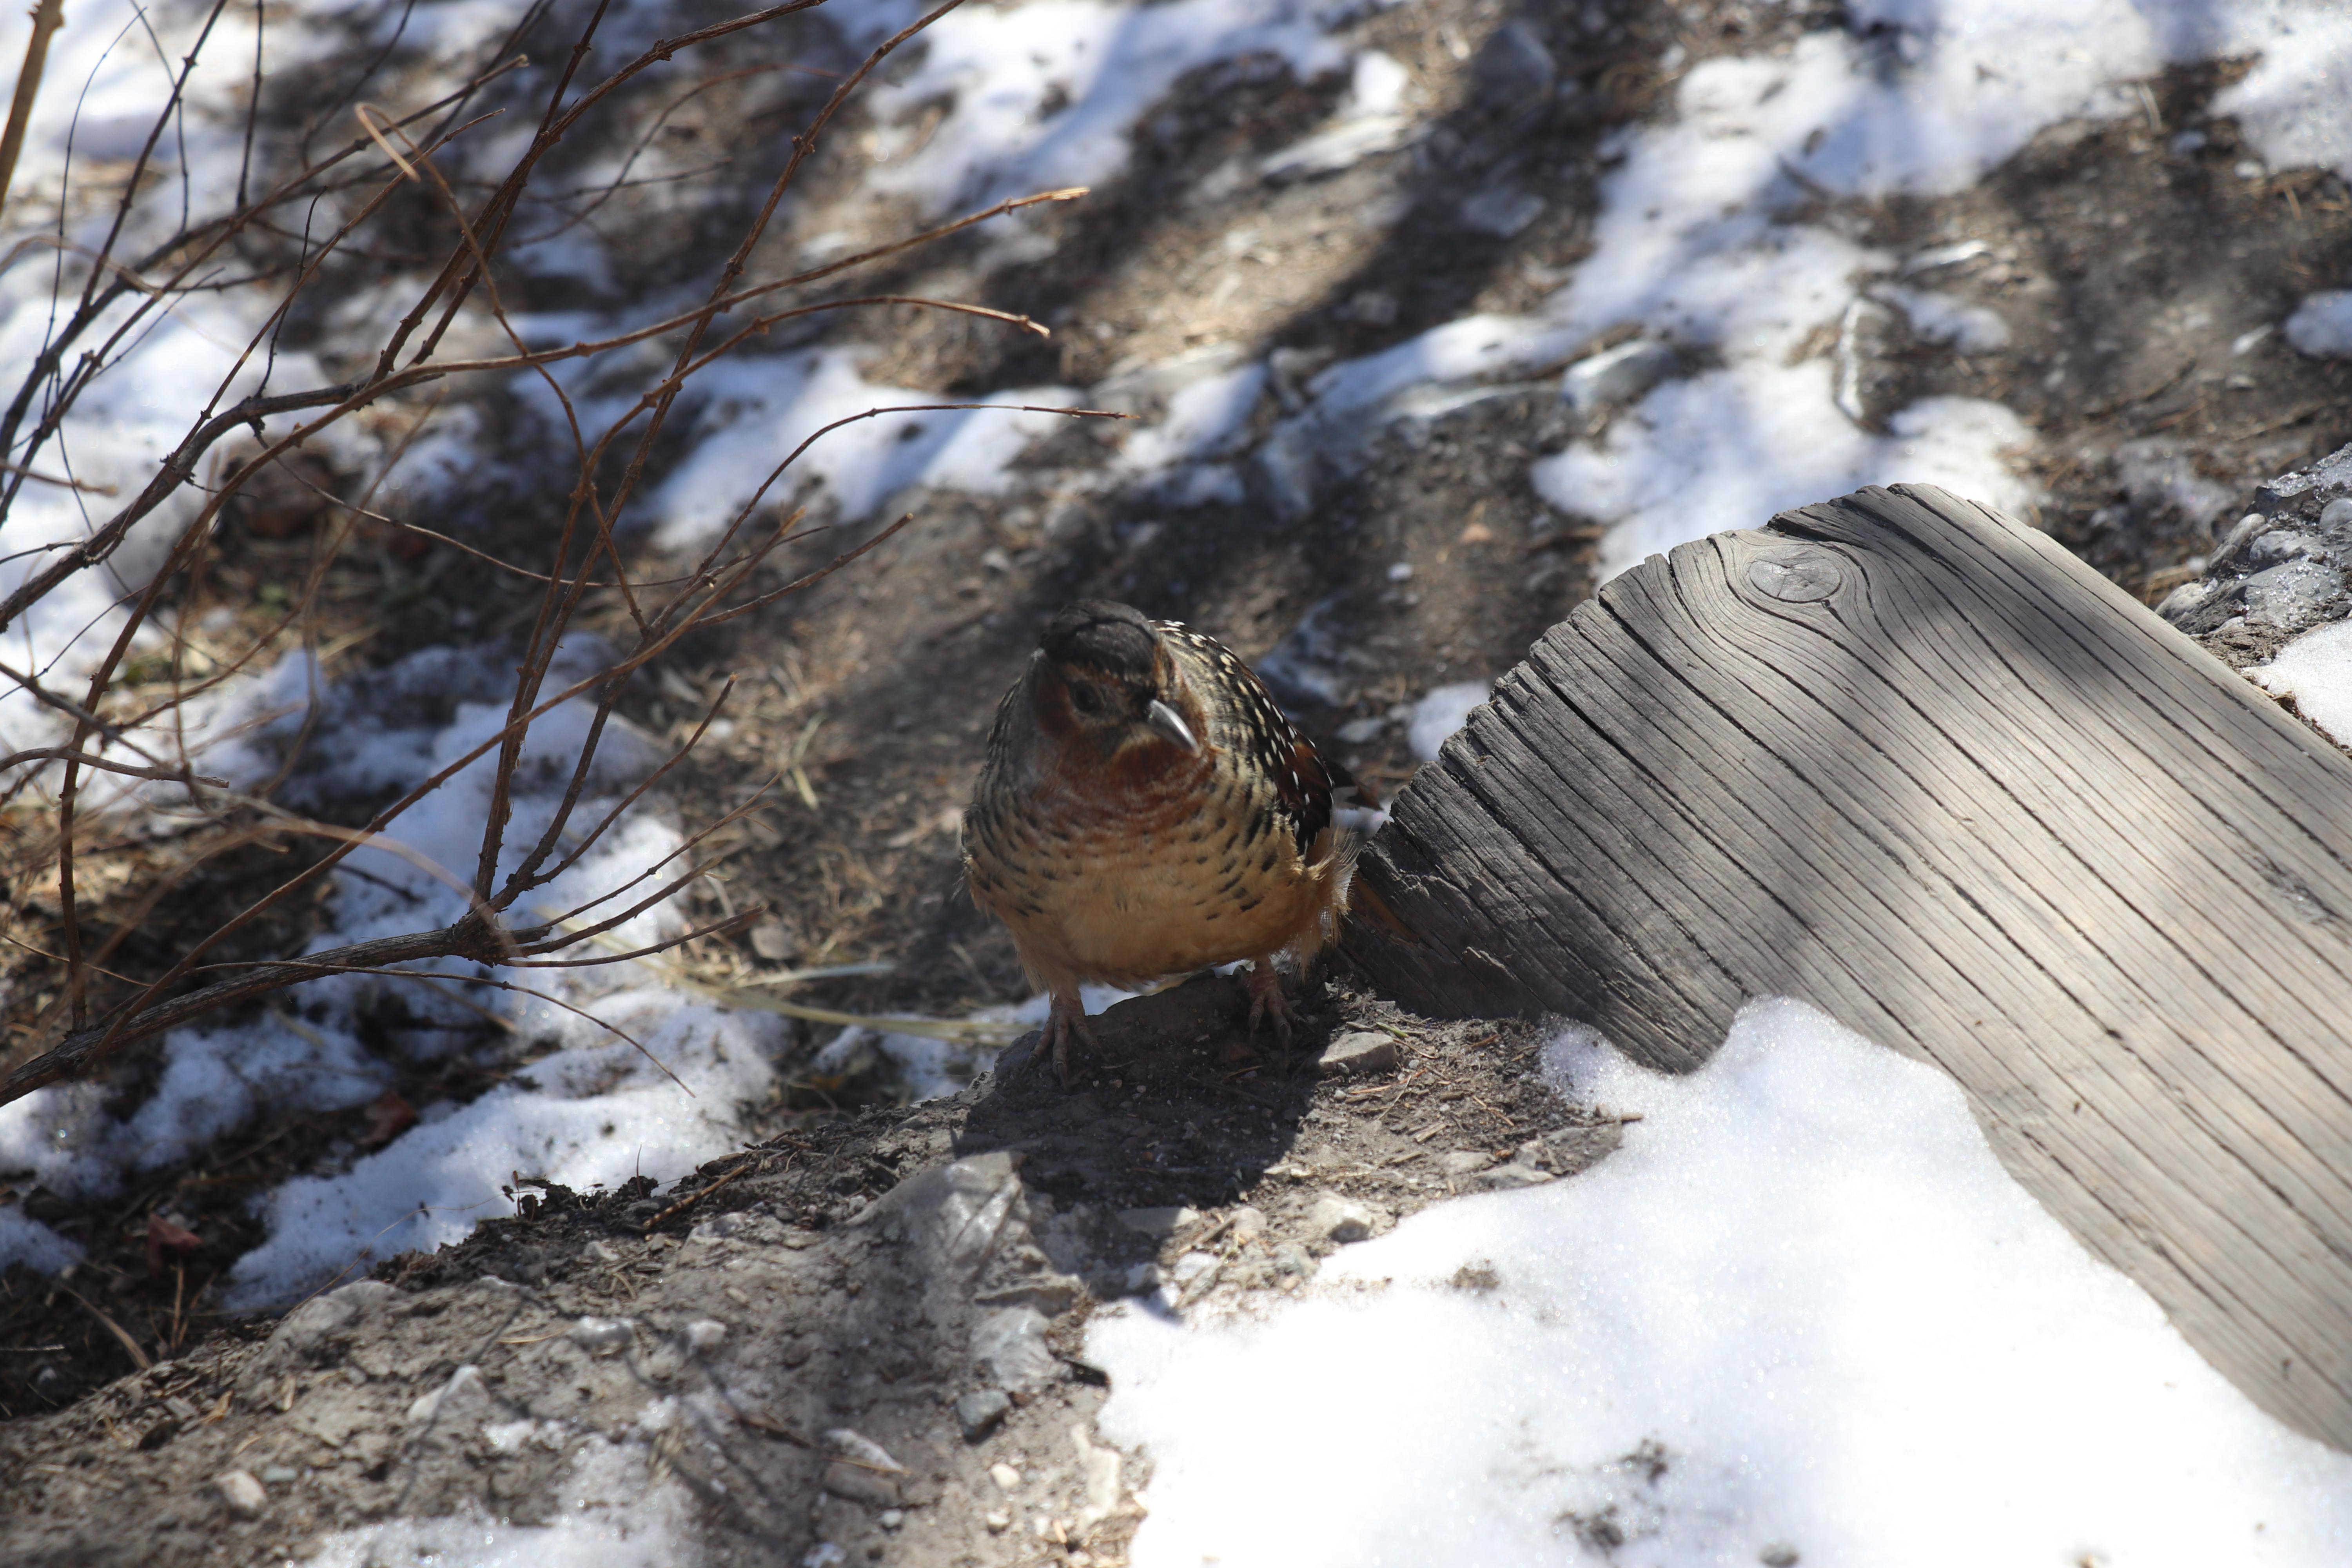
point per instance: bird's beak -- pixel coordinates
(1170, 723)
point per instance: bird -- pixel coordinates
(1146, 810)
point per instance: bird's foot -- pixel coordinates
(1067, 1018)
(1266, 1000)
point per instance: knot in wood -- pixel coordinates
(1796, 576)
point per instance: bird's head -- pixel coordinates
(1104, 678)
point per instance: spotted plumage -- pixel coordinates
(1146, 810)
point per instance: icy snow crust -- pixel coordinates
(1804, 1275)
(1804, 1283)
(2315, 669)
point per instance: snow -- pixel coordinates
(1801, 1306)
(617, 1510)
(756, 412)
(1107, 65)
(2322, 325)
(2315, 669)
(1439, 713)
(32, 1244)
(1940, 319)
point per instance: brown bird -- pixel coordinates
(1146, 810)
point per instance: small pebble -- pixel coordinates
(243, 1493)
(892, 1519)
(1357, 1052)
(278, 1475)
(998, 1522)
(1339, 1219)
(979, 1412)
(600, 1336)
(1006, 1478)
(1191, 1265)
(1463, 1162)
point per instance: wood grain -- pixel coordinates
(1916, 764)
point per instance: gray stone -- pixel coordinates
(1573, 1149)
(1357, 1052)
(1509, 1177)
(859, 1484)
(245, 1495)
(1010, 1343)
(461, 1401)
(1158, 1221)
(2186, 598)
(1502, 212)
(956, 1216)
(1618, 376)
(2279, 570)
(1463, 1162)
(308, 1333)
(2292, 595)
(1052, 1294)
(979, 1412)
(1343, 1220)
(601, 1336)
(1514, 70)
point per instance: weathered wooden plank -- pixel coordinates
(1917, 766)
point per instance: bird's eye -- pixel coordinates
(1086, 700)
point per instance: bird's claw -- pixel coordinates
(1266, 1000)
(1067, 1018)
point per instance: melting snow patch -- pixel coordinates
(1729, 449)
(2322, 325)
(32, 1244)
(1438, 714)
(2315, 669)
(1940, 319)
(758, 411)
(613, 1514)
(1046, 94)
(1802, 1315)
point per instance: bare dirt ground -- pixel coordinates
(919, 1279)
(2136, 263)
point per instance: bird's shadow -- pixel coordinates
(1174, 1107)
